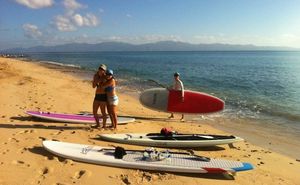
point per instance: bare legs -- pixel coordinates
(181, 119)
(102, 105)
(112, 110)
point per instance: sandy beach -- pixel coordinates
(32, 86)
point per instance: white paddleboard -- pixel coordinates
(176, 140)
(176, 162)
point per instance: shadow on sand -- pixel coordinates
(40, 126)
(43, 152)
(65, 126)
(34, 119)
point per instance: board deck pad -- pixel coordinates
(194, 102)
(176, 162)
(74, 118)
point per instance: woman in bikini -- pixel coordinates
(100, 99)
(112, 98)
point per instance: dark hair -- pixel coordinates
(176, 74)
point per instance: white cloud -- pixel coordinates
(32, 31)
(289, 40)
(72, 4)
(88, 20)
(209, 39)
(63, 23)
(78, 19)
(36, 4)
(142, 39)
(157, 38)
(128, 15)
(71, 22)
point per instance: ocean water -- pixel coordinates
(257, 85)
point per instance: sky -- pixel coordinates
(27, 23)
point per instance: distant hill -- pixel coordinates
(157, 46)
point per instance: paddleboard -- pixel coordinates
(175, 140)
(165, 100)
(175, 162)
(74, 118)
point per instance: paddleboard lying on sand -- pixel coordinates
(165, 100)
(174, 140)
(174, 162)
(74, 118)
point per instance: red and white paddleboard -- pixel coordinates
(165, 100)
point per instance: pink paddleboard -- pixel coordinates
(194, 102)
(73, 118)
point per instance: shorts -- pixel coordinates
(113, 100)
(101, 97)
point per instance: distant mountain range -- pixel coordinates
(157, 46)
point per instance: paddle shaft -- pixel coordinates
(161, 85)
(186, 153)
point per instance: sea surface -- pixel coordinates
(263, 86)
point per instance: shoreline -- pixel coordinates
(278, 143)
(28, 85)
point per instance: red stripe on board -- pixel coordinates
(215, 170)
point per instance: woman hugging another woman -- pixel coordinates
(109, 87)
(100, 100)
(106, 96)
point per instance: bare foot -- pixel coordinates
(95, 126)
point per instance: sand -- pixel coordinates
(31, 86)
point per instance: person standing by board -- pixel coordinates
(178, 86)
(100, 99)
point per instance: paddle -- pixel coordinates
(190, 152)
(159, 84)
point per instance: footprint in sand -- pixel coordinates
(22, 132)
(44, 171)
(4, 152)
(42, 138)
(13, 140)
(69, 161)
(56, 133)
(16, 162)
(19, 162)
(125, 179)
(22, 150)
(80, 174)
(42, 175)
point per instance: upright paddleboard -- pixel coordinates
(165, 100)
(135, 159)
(74, 118)
(175, 140)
